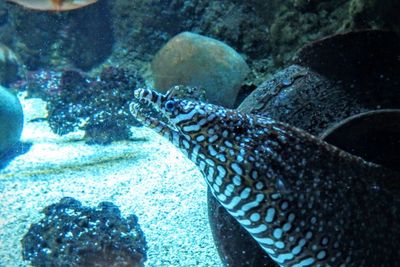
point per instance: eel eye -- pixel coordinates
(169, 105)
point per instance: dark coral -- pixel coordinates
(99, 106)
(74, 235)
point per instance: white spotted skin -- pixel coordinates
(305, 202)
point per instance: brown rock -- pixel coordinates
(194, 60)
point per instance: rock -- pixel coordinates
(11, 120)
(8, 65)
(332, 79)
(194, 60)
(61, 39)
(373, 135)
(354, 55)
(69, 235)
(99, 106)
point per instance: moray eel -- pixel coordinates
(306, 203)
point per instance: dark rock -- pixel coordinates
(317, 102)
(372, 135)
(354, 55)
(9, 66)
(75, 235)
(82, 38)
(92, 36)
(336, 81)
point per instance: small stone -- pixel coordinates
(194, 60)
(11, 120)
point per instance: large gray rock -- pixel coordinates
(11, 120)
(194, 60)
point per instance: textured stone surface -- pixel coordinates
(195, 60)
(339, 76)
(11, 120)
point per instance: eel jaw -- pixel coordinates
(142, 108)
(138, 112)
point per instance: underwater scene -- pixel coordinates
(199, 133)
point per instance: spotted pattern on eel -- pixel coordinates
(306, 203)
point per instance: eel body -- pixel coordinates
(306, 203)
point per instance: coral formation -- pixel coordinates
(195, 60)
(75, 100)
(75, 235)
(99, 106)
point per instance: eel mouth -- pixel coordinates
(143, 111)
(144, 108)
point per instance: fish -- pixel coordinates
(305, 202)
(53, 5)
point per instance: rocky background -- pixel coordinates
(128, 33)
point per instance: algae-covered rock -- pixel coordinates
(194, 60)
(11, 120)
(99, 105)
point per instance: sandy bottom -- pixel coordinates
(148, 177)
